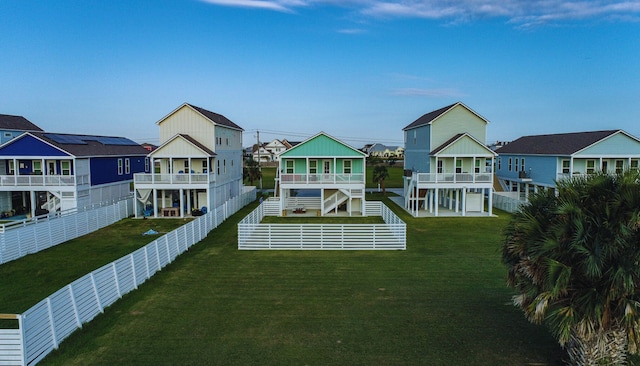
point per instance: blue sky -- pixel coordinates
(360, 70)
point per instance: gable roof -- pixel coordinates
(428, 118)
(187, 138)
(456, 138)
(18, 123)
(215, 117)
(555, 144)
(87, 145)
(299, 145)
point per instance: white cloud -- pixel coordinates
(520, 12)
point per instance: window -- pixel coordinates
(127, 166)
(517, 165)
(12, 167)
(522, 165)
(7, 134)
(65, 166)
(477, 167)
(186, 166)
(37, 167)
(499, 163)
(120, 166)
(346, 168)
(566, 167)
(224, 166)
(227, 141)
(289, 167)
(414, 136)
(509, 167)
(146, 164)
(439, 166)
(313, 167)
(218, 167)
(619, 166)
(458, 166)
(605, 166)
(634, 165)
(591, 166)
(327, 167)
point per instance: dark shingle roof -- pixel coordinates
(447, 143)
(91, 145)
(19, 123)
(556, 144)
(216, 118)
(198, 144)
(427, 118)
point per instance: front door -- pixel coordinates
(51, 167)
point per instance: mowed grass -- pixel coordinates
(443, 301)
(26, 281)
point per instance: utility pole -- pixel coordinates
(259, 167)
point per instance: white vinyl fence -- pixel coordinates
(506, 202)
(392, 235)
(45, 325)
(32, 236)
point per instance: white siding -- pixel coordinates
(457, 120)
(189, 122)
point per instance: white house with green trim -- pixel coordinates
(448, 167)
(322, 174)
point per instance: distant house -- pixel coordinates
(261, 154)
(197, 167)
(148, 146)
(448, 167)
(384, 151)
(536, 162)
(324, 165)
(41, 171)
(269, 151)
(13, 126)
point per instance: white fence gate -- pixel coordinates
(39, 234)
(392, 235)
(53, 319)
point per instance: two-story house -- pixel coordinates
(536, 162)
(13, 126)
(448, 167)
(197, 167)
(44, 172)
(329, 173)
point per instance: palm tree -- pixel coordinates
(574, 261)
(380, 173)
(251, 170)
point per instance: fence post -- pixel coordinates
(95, 292)
(115, 277)
(75, 307)
(133, 271)
(51, 325)
(22, 340)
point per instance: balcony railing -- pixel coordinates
(322, 178)
(43, 180)
(142, 178)
(435, 178)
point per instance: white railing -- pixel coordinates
(187, 178)
(252, 235)
(322, 178)
(20, 238)
(44, 326)
(43, 180)
(427, 178)
(506, 202)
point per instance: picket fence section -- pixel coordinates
(252, 235)
(507, 203)
(42, 233)
(53, 319)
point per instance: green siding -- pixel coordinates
(618, 144)
(467, 146)
(457, 120)
(321, 146)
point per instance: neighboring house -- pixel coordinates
(148, 146)
(262, 155)
(197, 165)
(13, 126)
(43, 171)
(448, 167)
(330, 173)
(536, 162)
(275, 147)
(383, 151)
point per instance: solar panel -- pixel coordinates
(82, 139)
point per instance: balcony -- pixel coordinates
(174, 179)
(452, 178)
(43, 180)
(322, 179)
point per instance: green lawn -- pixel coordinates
(443, 301)
(394, 181)
(26, 281)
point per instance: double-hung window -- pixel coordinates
(289, 167)
(346, 167)
(120, 166)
